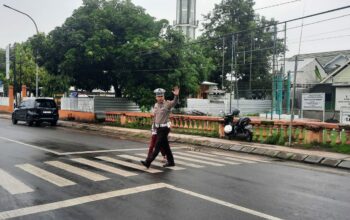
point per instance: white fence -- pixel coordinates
(5, 101)
(98, 104)
(246, 106)
(78, 104)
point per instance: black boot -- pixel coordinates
(145, 163)
(169, 164)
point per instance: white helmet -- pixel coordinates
(228, 129)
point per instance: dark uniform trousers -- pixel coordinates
(162, 142)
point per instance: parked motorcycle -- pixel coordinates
(241, 129)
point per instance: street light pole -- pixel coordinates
(36, 60)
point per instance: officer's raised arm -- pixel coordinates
(176, 92)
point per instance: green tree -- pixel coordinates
(165, 63)
(2, 63)
(116, 43)
(238, 17)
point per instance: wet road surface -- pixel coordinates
(58, 173)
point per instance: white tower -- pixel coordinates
(186, 18)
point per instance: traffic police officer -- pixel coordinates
(162, 111)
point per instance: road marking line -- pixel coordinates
(155, 163)
(128, 164)
(224, 157)
(106, 151)
(177, 162)
(244, 158)
(13, 185)
(78, 171)
(104, 167)
(123, 192)
(223, 203)
(199, 161)
(45, 175)
(80, 152)
(206, 158)
(78, 201)
(31, 146)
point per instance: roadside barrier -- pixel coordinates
(265, 131)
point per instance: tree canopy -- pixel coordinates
(236, 19)
(117, 43)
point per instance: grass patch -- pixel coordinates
(338, 148)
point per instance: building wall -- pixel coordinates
(342, 78)
(307, 74)
(246, 106)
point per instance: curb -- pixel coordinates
(254, 149)
(249, 149)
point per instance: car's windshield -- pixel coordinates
(45, 103)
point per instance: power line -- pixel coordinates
(148, 52)
(270, 6)
(316, 22)
(319, 39)
(328, 32)
(276, 5)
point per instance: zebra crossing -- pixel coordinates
(120, 165)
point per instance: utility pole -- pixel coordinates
(293, 100)
(232, 54)
(20, 75)
(251, 64)
(14, 74)
(236, 75)
(273, 72)
(284, 61)
(36, 55)
(223, 63)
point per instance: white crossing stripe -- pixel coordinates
(12, 185)
(104, 167)
(124, 192)
(106, 151)
(188, 153)
(155, 163)
(240, 157)
(77, 201)
(128, 164)
(45, 175)
(224, 157)
(199, 161)
(179, 162)
(78, 171)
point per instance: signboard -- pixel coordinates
(342, 98)
(8, 62)
(313, 101)
(345, 116)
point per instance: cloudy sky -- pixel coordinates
(324, 36)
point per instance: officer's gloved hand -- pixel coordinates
(154, 132)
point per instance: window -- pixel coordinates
(23, 104)
(45, 103)
(29, 104)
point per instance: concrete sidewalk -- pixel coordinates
(308, 156)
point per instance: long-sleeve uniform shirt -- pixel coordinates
(162, 111)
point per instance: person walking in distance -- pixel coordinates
(162, 111)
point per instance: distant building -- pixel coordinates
(186, 18)
(325, 72)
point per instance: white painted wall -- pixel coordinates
(4, 101)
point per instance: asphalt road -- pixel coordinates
(58, 173)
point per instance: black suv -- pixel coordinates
(36, 110)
